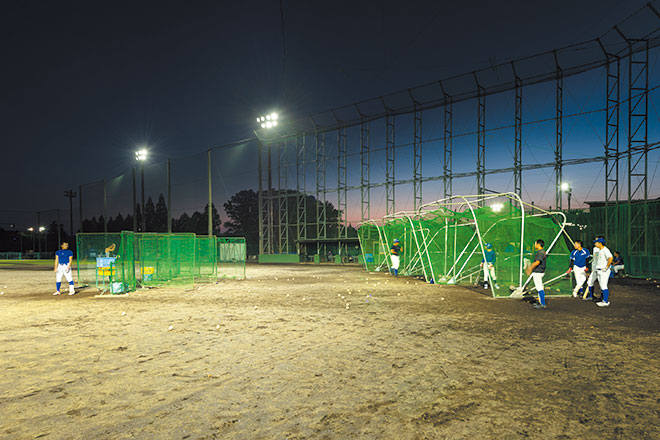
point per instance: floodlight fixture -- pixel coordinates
(141, 155)
(31, 229)
(268, 121)
(42, 229)
(565, 186)
(497, 207)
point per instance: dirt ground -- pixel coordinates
(281, 356)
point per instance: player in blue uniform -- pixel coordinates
(537, 270)
(395, 252)
(489, 266)
(63, 260)
(578, 265)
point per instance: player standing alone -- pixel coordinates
(578, 266)
(537, 270)
(395, 252)
(63, 260)
(489, 266)
(593, 276)
(602, 264)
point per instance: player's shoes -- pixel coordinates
(575, 294)
(72, 291)
(485, 285)
(56, 293)
(539, 306)
(602, 304)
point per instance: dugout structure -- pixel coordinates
(444, 242)
(121, 262)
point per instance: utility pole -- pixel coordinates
(71, 195)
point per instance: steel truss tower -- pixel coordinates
(517, 144)
(390, 206)
(301, 197)
(638, 109)
(559, 133)
(342, 205)
(417, 154)
(365, 155)
(481, 138)
(283, 200)
(321, 214)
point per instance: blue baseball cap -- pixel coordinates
(489, 246)
(396, 240)
(599, 240)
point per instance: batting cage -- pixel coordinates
(468, 240)
(120, 262)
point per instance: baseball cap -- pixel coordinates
(599, 240)
(489, 246)
(396, 240)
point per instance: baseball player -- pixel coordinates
(395, 253)
(578, 265)
(617, 263)
(602, 264)
(63, 260)
(537, 270)
(489, 266)
(593, 276)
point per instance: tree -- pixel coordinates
(242, 209)
(160, 217)
(150, 216)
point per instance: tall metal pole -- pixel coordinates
(210, 225)
(135, 228)
(39, 231)
(260, 196)
(559, 142)
(59, 237)
(417, 154)
(517, 144)
(169, 197)
(269, 200)
(142, 210)
(105, 207)
(71, 195)
(80, 205)
(447, 172)
(365, 173)
(390, 180)
(481, 139)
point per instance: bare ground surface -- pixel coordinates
(279, 356)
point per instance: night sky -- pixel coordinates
(85, 83)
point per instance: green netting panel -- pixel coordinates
(232, 254)
(166, 259)
(105, 261)
(444, 246)
(632, 229)
(206, 258)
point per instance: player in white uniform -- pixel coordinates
(395, 255)
(603, 261)
(63, 260)
(593, 276)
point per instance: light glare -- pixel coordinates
(273, 116)
(497, 207)
(565, 186)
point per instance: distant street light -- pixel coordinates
(41, 231)
(31, 230)
(141, 156)
(566, 187)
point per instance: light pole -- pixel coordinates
(41, 232)
(566, 187)
(31, 230)
(141, 156)
(267, 122)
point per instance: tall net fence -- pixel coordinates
(121, 262)
(632, 229)
(447, 242)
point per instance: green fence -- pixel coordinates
(632, 229)
(120, 262)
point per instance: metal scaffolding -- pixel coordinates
(282, 200)
(640, 32)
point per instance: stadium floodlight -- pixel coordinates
(141, 155)
(497, 207)
(565, 187)
(31, 229)
(42, 229)
(268, 121)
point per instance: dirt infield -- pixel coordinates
(281, 356)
